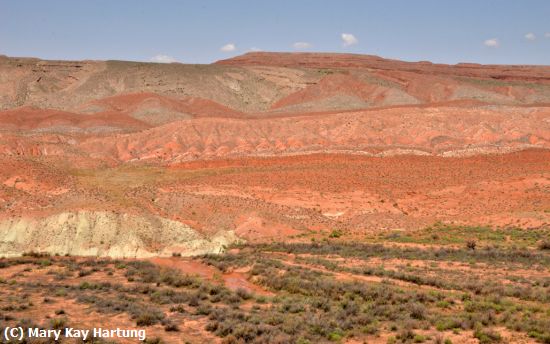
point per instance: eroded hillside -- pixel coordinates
(133, 159)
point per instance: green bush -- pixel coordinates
(58, 323)
(335, 336)
(146, 319)
(335, 233)
(486, 336)
(419, 338)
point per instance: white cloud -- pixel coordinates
(349, 39)
(163, 59)
(530, 36)
(301, 45)
(255, 49)
(228, 47)
(492, 43)
(547, 35)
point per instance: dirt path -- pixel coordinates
(233, 280)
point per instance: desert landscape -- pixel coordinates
(276, 198)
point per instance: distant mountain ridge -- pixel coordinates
(260, 83)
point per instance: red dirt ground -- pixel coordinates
(28, 119)
(134, 102)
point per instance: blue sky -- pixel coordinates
(483, 31)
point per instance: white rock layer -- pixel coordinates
(106, 234)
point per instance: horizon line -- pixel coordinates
(274, 52)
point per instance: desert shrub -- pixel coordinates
(448, 324)
(9, 308)
(292, 306)
(443, 304)
(544, 245)
(216, 298)
(44, 262)
(178, 308)
(439, 339)
(365, 251)
(405, 335)
(215, 289)
(169, 296)
(58, 323)
(147, 273)
(225, 261)
(144, 314)
(204, 309)
(243, 293)
(335, 233)
(169, 325)
(86, 285)
(485, 335)
(232, 299)
(471, 244)
(371, 329)
(174, 278)
(418, 338)
(146, 319)
(417, 311)
(335, 336)
(257, 269)
(323, 304)
(84, 272)
(61, 275)
(193, 301)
